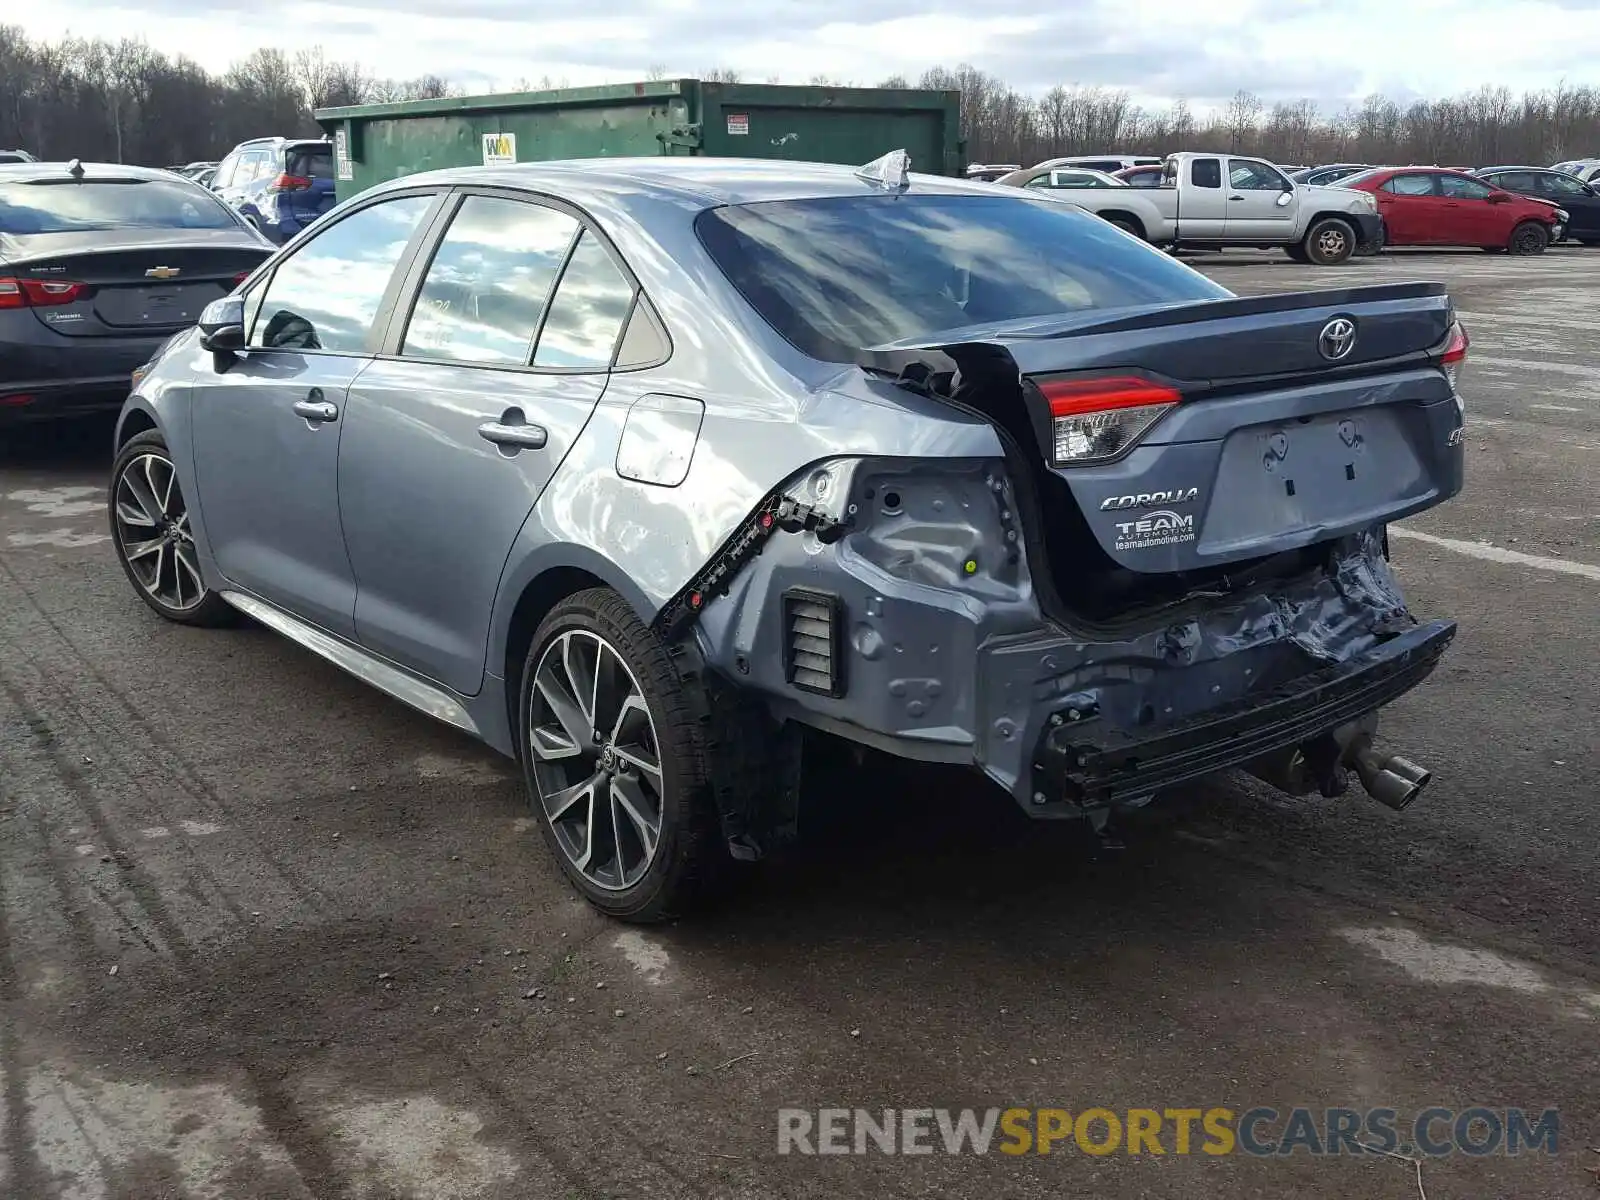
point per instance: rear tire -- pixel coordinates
(1127, 226)
(1329, 242)
(1530, 237)
(150, 529)
(614, 760)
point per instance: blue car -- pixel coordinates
(279, 185)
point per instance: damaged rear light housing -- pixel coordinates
(1454, 354)
(1097, 419)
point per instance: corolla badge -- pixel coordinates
(1149, 499)
(1337, 339)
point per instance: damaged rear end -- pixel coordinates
(1202, 492)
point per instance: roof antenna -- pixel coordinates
(891, 172)
(75, 169)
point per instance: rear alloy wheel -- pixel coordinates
(614, 760)
(1530, 237)
(155, 544)
(1330, 242)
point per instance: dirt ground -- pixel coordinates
(266, 933)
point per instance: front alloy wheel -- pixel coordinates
(154, 541)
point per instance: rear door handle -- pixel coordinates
(531, 437)
(317, 410)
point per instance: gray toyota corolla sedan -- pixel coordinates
(636, 469)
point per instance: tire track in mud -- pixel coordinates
(20, 1171)
(160, 749)
(279, 1110)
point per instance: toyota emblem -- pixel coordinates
(1337, 339)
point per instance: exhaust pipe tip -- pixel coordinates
(1394, 782)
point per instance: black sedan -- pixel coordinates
(99, 265)
(1580, 199)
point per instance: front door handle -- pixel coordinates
(317, 410)
(530, 437)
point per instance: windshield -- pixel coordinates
(839, 274)
(67, 207)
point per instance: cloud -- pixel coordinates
(1333, 51)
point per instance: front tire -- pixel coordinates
(1530, 237)
(1330, 242)
(614, 761)
(150, 529)
(1297, 251)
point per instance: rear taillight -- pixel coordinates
(240, 278)
(1454, 355)
(289, 183)
(38, 293)
(1092, 420)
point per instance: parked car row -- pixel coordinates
(1181, 202)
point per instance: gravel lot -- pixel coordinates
(266, 933)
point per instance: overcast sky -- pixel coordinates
(1330, 50)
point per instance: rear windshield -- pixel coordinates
(840, 274)
(311, 162)
(135, 204)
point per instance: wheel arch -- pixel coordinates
(135, 419)
(531, 589)
(1129, 216)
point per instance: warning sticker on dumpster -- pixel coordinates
(739, 124)
(499, 148)
(344, 169)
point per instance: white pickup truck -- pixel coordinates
(1213, 201)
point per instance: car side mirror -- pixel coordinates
(1499, 198)
(222, 325)
(1285, 199)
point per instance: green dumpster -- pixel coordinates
(376, 142)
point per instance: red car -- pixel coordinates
(1431, 206)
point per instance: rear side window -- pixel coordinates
(839, 274)
(586, 316)
(1206, 173)
(326, 295)
(1513, 181)
(486, 287)
(1410, 185)
(69, 207)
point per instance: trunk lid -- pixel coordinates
(155, 281)
(1278, 421)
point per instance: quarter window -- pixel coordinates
(586, 316)
(326, 295)
(489, 282)
(1205, 172)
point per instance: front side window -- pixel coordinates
(1253, 177)
(327, 293)
(64, 206)
(488, 283)
(1457, 187)
(1560, 185)
(591, 303)
(838, 274)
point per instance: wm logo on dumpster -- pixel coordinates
(499, 148)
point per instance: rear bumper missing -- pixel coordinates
(1081, 766)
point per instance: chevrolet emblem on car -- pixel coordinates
(162, 272)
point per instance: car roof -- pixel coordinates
(34, 171)
(1514, 167)
(706, 182)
